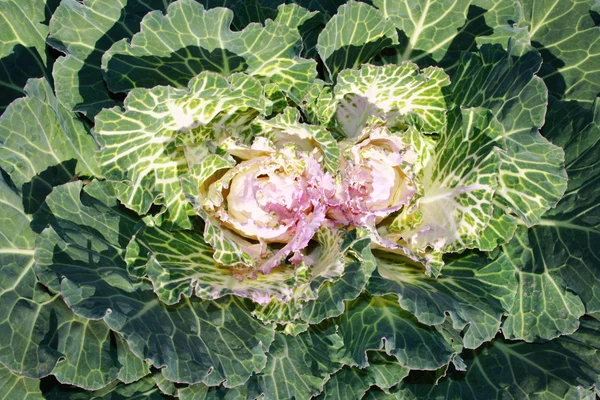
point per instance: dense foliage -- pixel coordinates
(284, 200)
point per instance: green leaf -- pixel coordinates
(340, 272)
(394, 93)
(15, 386)
(195, 392)
(435, 33)
(297, 366)
(532, 177)
(353, 37)
(308, 23)
(244, 12)
(90, 358)
(36, 133)
(352, 383)
(209, 341)
(22, 46)
(545, 307)
(457, 186)
(132, 367)
(378, 323)
(566, 34)
(567, 234)
(565, 368)
(144, 389)
(473, 291)
(559, 256)
(138, 144)
(84, 30)
(172, 49)
(41, 335)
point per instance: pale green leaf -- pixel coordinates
(182, 264)
(435, 32)
(532, 177)
(566, 34)
(22, 46)
(352, 383)
(138, 144)
(565, 368)
(457, 187)
(474, 292)
(36, 133)
(15, 386)
(398, 94)
(172, 48)
(340, 273)
(378, 323)
(286, 128)
(353, 37)
(84, 30)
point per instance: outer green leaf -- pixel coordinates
(139, 143)
(172, 49)
(377, 394)
(566, 34)
(545, 306)
(90, 359)
(210, 341)
(244, 12)
(353, 37)
(434, 32)
(40, 334)
(36, 132)
(15, 386)
(395, 93)
(474, 292)
(194, 392)
(457, 186)
(532, 177)
(308, 23)
(374, 323)
(352, 383)
(22, 46)
(568, 234)
(132, 367)
(297, 366)
(565, 368)
(23, 322)
(84, 30)
(182, 263)
(144, 389)
(558, 260)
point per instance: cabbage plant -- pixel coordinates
(286, 200)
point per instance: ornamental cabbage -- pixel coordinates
(296, 199)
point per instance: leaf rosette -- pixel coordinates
(272, 197)
(340, 199)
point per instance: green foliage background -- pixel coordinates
(109, 287)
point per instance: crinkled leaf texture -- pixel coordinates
(231, 199)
